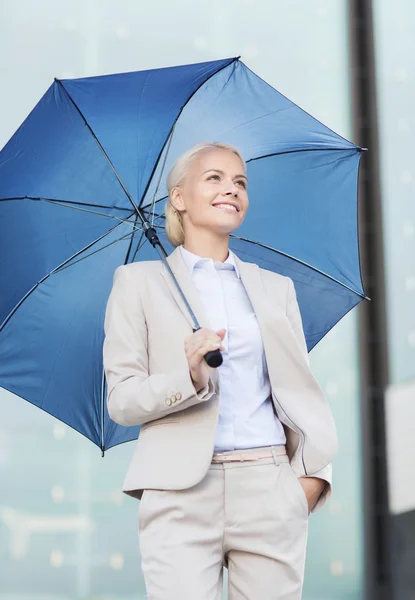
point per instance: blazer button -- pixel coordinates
(168, 401)
(173, 399)
(178, 396)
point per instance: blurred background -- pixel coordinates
(66, 530)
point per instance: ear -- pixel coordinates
(176, 199)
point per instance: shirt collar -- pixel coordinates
(192, 259)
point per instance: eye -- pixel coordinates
(241, 182)
(213, 177)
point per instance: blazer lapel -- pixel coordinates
(267, 313)
(254, 286)
(186, 284)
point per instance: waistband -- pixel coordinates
(248, 454)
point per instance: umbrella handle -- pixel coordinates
(213, 358)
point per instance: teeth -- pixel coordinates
(226, 207)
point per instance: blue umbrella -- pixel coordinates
(82, 191)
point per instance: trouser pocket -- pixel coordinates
(298, 491)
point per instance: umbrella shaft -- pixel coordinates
(151, 235)
(213, 358)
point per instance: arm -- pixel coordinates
(294, 316)
(135, 397)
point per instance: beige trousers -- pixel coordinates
(251, 517)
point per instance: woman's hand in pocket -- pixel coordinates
(313, 488)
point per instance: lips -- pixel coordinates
(227, 206)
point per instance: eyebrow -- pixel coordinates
(222, 173)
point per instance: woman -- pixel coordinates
(230, 461)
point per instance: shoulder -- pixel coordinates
(143, 266)
(275, 279)
(136, 271)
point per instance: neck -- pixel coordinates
(207, 245)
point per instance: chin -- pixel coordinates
(228, 219)
(221, 231)
(225, 224)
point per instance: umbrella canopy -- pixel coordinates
(95, 150)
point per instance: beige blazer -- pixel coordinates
(149, 383)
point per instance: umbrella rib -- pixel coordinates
(294, 150)
(123, 237)
(299, 107)
(298, 260)
(94, 212)
(130, 244)
(153, 203)
(62, 202)
(140, 245)
(100, 146)
(175, 121)
(14, 309)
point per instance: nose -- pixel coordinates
(232, 190)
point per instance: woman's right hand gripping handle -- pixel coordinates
(196, 346)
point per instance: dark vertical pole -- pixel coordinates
(372, 316)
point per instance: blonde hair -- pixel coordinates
(177, 174)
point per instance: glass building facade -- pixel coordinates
(66, 530)
(394, 28)
(395, 51)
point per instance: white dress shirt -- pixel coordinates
(246, 415)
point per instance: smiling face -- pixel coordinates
(213, 195)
